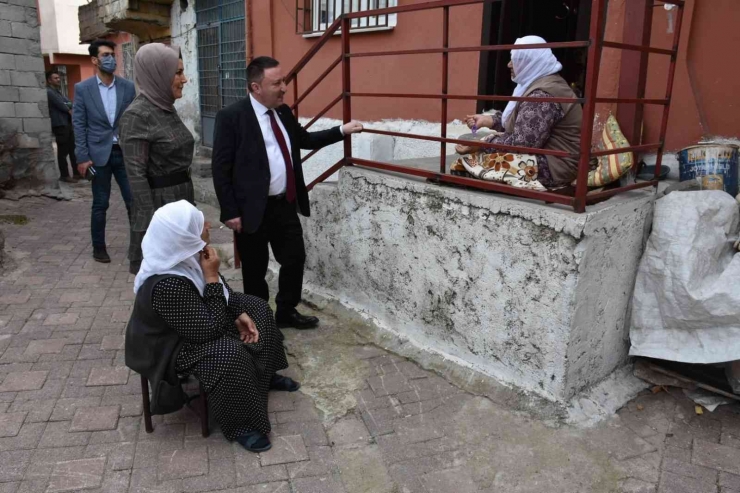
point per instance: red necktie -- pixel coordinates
(289, 177)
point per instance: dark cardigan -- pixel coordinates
(152, 347)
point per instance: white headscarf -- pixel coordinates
(529, 65)
(172, 245)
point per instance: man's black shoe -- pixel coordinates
(100, 255)
(295, 321)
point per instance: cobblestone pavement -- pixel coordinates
(365, 420)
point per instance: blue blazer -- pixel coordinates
(93, 131)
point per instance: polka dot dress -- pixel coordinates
(236, 376)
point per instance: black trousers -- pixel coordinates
(281, 230)
(65, 147)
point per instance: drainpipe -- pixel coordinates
(691, 69)
(250, 39)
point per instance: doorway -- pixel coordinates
(554, 20)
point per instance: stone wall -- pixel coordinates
(185, 36)
(26, 153)
(535, 296)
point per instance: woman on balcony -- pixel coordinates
(555, 126)
(157, 146)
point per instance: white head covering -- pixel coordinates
(530, 65)
(172, 245)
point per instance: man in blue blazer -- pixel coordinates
(99, 103)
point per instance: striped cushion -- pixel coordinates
(612, 167)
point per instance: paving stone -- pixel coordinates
(313, 432)
(44, 460)
(368, 352)
(673, 483)
(418, 428)
(280, 401)
(10, 424)
(126, 431)
(278, 487)
(65, 408)
(95, 419)
(108, 376)
(317, 484)
(363, 471)
(285, 449)
(389, 384)
(183, 463)
(120, 455)
(77, 475)
(57, 435)
(632, 485)
(716, 456)
(13, 464)
(379, 421)
(321, 463)
(46, 346)
(27, 438)
(457, 479)
(164, 433)
(221, 475)
(645, 467)
(62, 319)
(112, 342)
(27, 380)
(145, 481)
(348, 431)
(730, 481)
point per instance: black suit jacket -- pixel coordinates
(241, 170)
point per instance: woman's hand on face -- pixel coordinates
(210, 263)
(247, 330)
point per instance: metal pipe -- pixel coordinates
(463, 49)
(346, 98)
(589, 109)
(645, 49)
(445, 74)
(486, 145)
(466, 97)
(669, 90)
(317, 82)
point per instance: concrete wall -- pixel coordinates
(26, 155)
(60, 28)
(533, 295)
(185, 36)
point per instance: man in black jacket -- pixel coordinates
(259, 182)
(60, 111)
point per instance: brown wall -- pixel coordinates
(398, 74)
(704, 104)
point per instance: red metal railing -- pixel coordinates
(594, 45)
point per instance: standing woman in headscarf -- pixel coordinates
(157, 146)
(187, 321)
(555, 126)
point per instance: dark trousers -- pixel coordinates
(65, 147)
(101, 193)
(282, 230)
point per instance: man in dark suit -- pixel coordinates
(99, 103)
(60, 112)
(259, 182)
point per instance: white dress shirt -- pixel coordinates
(278, 181)
(108, 95)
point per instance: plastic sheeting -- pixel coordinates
(686, 305)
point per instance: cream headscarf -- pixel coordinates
(172, 245)
(155, 67)
(530, 65)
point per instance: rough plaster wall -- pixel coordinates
(494, 283)
(608, 258)
(380, 147)
(184, 35)
(26, 155)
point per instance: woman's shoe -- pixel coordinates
(286, 384)
(254, 441)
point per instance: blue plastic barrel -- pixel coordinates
(713, 165)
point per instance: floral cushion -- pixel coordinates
(612, 167)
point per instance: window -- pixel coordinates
(62, 71)
(317, 15)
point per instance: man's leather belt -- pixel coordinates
(279, 196)
(170, 180)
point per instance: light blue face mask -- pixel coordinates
(108, 64)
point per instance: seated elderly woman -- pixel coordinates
(187, 321)
(555, 126)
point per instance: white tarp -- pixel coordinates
(686, 305)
